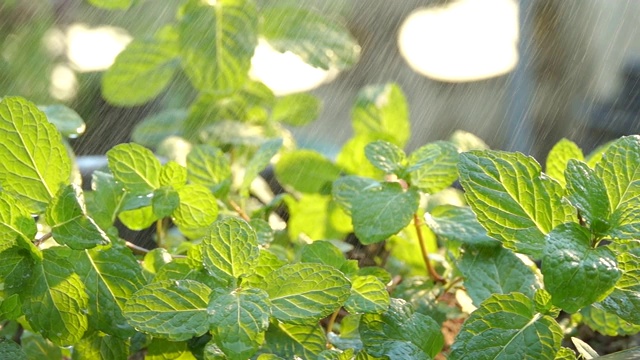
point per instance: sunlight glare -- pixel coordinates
(94, 49)
(467, 40)
(286, 73)
(64, 84)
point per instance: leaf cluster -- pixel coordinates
(365, 256)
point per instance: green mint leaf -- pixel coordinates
(174, 310)
(363, 355)
(155, 259)
(347, 188)
(495, 270)
(173, 174)
(400, 332)
(513, 199)
(296, 30)
(17, 227)
(336, 355)
(181, 269)
(16, 266)
(173, 269)
(316, 216)
(100, 346)
(194, 257)
(33, 160)
(368, 295)
(267, 263)
(210, 110)
(543, 303)
(11, 307)
(290, 340)
(397, 349)
(507, 324)
(558, 158)
(239, 320)
(110, 276)
(306, 171)
(628, 256)
(207, 165)
(213, 352)
(352, 158)
(165, 200)
(595, 156)
(132, 201)
(380, 273)
(351, 267)
(135, 167)
(349, 337)
(386, 157)
(230, 249)
(466, 141)
(37, 347)
(197, 210)
(161, 349)
(11, 350)
(607, 323)
(65, 119)
(588, 193)
(620, 171)
(142, 70)
(296, 109)
(381, 110)
(455, 223)
(382, 211)
(244, 106)
(55, 302)
(112, 4)
(565, 354)
(138, 219)
(152, 130)
(432, 168)
(106, 200)
(624, 301)
(570, 266)
(230, 30)
(323, 252)
(259, 162)
(268, 357)
(306, 292)
(255, 94)
(70, 224)
(263, 230)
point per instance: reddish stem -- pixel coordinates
(239, 210)
(425, 255)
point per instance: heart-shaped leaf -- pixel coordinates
(575, 273)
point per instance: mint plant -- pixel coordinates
(208, 50)
(369, 256)
(236, 288)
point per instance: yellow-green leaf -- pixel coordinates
(33, 160)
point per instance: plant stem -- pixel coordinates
(449, 286)
(136, 248)
(160, 233)
(44, 238)
(239, 210)
(17, 337)
(141, 250)
(332, 320)
(425, 255)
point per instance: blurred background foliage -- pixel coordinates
(573, 76)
